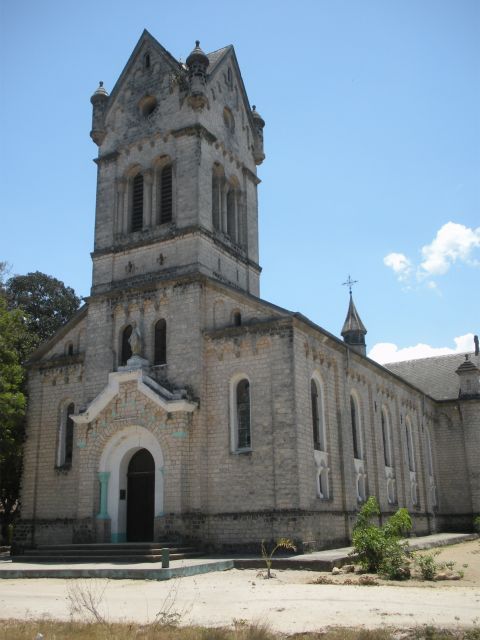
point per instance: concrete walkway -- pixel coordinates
(316, 561)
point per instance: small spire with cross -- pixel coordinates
(349, 283)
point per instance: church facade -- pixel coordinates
(177, 403)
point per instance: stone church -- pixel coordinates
(179, 404)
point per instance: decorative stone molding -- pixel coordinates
(161, 397)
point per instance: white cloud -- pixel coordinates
(384, 352)
(400, 264)
(453, 242)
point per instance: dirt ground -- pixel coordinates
(290, 602)
(465, 555)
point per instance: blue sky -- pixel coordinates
(372, 139)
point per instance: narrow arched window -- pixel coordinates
(409, 445)
(166, 194)
(69, 434)
(317, 416)
(126, 352)
(237, 318)
(65, 436)
(160, 355)
(231, 224)
(387, 456)
(357, 443)
(243, 439)
(147, 61)
(137, 202)
(216, 208)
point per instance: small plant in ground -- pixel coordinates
(430, 569)
(378, 548)
(282, 543)
(427, 565)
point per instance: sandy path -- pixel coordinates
(288, 603)
(219, 598)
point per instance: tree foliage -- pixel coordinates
(32, 309)
(47, 302)
(12, 409)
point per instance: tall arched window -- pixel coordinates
(165, 194)
(216, 205)
(318, 426)
(241, 427)
(387, 445)
(410, 455)
(126, 352)
(409, 445)
(160, 355)
(356, 436)
(231, 215)
(65, 436)
(137, 203)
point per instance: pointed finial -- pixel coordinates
(197, 43)
(466, 356)
(100, 83)
(349, 283)
(253, 107)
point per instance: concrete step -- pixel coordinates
(130, 559)
(105, 551)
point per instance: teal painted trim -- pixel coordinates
(118, 537)
(81, 444)
(179, 434)
(103, 477)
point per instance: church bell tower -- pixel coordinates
(177, 183)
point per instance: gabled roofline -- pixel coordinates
(146, 36)
(58, 335)
(146, 385)
(230, 50)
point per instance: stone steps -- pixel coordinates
(130, 552)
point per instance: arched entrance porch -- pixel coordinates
(122, 450)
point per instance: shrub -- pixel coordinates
(476, 524)
(427, 565)
(378, 548)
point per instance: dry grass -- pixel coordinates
(54, 630)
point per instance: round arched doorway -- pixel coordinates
(140, 497)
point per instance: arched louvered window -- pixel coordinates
(65, 436)
(231, 215)
(357, 443)
(387, 453)
(166, 194)
(216, 204)
(242, 396)
(160, 355)
(316, 400)
(126, 352)
(137, 203)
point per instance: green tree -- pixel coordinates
(32, 308)
(47, 302)
(12, 410)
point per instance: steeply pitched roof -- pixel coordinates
(216, 56)
(435, 376)
(353, 321)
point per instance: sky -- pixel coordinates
(372, 140)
